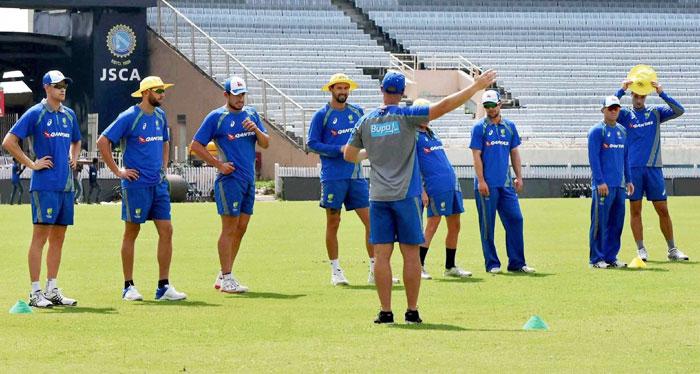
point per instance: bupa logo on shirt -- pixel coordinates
(149, 139)
(385, 129)
(341, 132)
(232, 137)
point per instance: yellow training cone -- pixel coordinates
(637, 263)
(641, 77)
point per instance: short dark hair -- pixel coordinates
(94, 160)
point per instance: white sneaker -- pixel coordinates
(457, 272)
(495, 270)
(169, 293)
(217, 282)
(131, 294)
(675, 254)
(371, 281)
(526, 269)
(37, 300)
(600, 265)
(424, 274)
(642, 253)
(617, 264)
(231, 285)
(57, 298)
(338, 278)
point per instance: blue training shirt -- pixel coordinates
(438, 174)
(236, 144)
(141, 137)
(644, 132)
(52, 133)
(607, 155)
(329, 131)
(495, 141)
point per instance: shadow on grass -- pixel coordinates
(528, 275)
(674, 262)
(371, 287)
(446, 327)
(189, 303)
(82, 309)
(455, 280)
(641, 270)
(267, 295)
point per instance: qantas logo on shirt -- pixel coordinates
(613, 146)
(498, 142)
(643, 124)
(149, 139)
(56, 134)
(341, 132)
(240, 135)
(433, 148)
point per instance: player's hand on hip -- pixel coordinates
(626, 84)
(603, 190)
(658, 87)
(484, 189)
(486, 79)
(42, 163)
(129, 174)
(226, 168)
(630, 189)
(518, 184)
(424, 198)
(73, 163)
(249, 125)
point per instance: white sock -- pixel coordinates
(221, 274)
(371, 265)
(51, 284)
(335, 265)
(36, 286)
(227, 276)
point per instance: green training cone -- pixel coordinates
(535, 323)
(21, 307)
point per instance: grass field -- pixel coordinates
(293, 320)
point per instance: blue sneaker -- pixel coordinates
(168, 292)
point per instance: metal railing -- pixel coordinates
(405, 63)
(186, 37)
(449, 61)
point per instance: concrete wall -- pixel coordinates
(442, 83)
(195, 95)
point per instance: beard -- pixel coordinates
(493, 116)
(153, 101)
(340, 98)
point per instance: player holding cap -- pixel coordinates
(142, 131)
(643, 128)
(387, 135)
(55, 134)
(607, 156)
(494, 140)
(442, 196)
(235, 128)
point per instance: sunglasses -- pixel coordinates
(60, 86)
(159, 91)
(490, 105)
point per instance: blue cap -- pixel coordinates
(54, 76)
(393, 83)
(235, 85)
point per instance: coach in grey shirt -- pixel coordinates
(387, 136)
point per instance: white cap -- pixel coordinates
(611, 101)
(490, 96)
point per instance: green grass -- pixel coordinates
(294, 320)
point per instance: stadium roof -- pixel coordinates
(19, 49)
(71, 4)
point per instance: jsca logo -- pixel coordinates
(121, 41)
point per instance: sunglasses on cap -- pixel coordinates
(159, 91)
(60, 85)
(490, 105)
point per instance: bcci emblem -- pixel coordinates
(121, 41)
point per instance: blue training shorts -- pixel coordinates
(396, 221)
(52, 207)
(445, 204)
(648, 181)
(146, 203)
(234, 197)
(354, 193)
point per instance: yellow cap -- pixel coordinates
(340, 78)
(641, 77)
(150, 82)
(421, 102)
